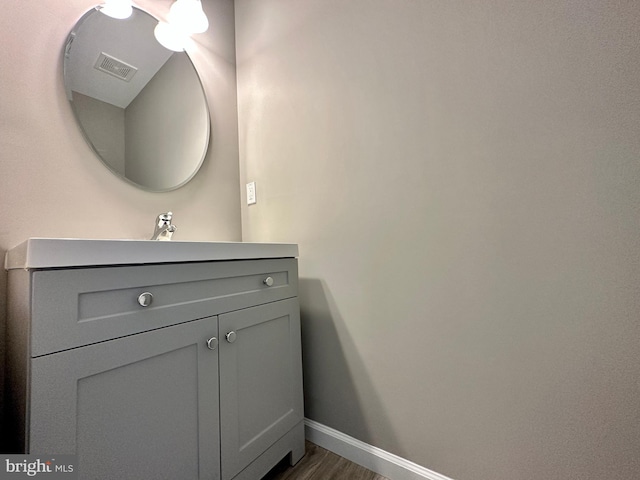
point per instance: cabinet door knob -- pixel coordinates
(145, 299)
(231, 337)
(212, 343)
(268, 281)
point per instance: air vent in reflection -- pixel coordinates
(115, 67)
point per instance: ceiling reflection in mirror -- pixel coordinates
(140, 106)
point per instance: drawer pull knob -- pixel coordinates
(231, 337)
(212, 343)
(268, 281)
(145, 299)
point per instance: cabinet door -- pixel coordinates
(260, 381)
(143, 406)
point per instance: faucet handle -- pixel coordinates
(164, 218)
(164, 228)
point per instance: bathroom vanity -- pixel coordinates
(156, 359)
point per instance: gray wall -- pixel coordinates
(52, 184)
(104, 125)
(155, 148)
(463, 179)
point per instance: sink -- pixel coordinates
(78, 252)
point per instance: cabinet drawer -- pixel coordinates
(77, 307)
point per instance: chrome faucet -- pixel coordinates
(164, 228)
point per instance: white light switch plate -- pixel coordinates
(251, 193)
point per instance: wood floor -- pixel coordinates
(321, 464)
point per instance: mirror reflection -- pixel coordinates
(140, 106)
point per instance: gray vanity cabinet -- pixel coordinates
(202, 382)
(125, 406)
(260, 381)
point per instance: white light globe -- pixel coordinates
(170, 38)
(187, 15)
(119, 9)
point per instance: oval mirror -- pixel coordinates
(140, 106)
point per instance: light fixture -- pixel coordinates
(119, 9)
(185, 17)
(170, 37)
(188, 16)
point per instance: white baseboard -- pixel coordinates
(375, 459)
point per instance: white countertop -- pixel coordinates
(77, 252)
